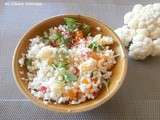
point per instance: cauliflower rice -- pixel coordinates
(68, 65)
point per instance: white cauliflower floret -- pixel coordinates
(139, 17)
(130, 15)
(108, 60)
(137, 8)
(141, 47)
(21, 61)
(54, 86)
(125, 34)
(141, 21)
(106, 40)
(56, 89)
(156, 47)
(103, 40)
(97, 37)
(33, 50)
(47, 53)
(88, 65)
(142, 32)
(155, 33)
(35, 40)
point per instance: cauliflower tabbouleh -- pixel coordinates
(68, 65)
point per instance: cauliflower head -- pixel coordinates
(142, 29)
(125, 34)
(141, 47)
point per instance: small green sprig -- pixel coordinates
(95, 46)
(68, 77)
(71, 23)
(59, 38)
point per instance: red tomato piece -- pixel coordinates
(43, 89)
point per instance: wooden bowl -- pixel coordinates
(119, 71)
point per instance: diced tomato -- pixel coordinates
(90, 89)
(74, 70)
(95, 94)
(72, 43)
(94, 80)
(78, 35)
(72, 94)
(69, 45)
(43, 89)
(53, 44)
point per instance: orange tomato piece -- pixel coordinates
(95, 94)
(72, 94)
(90, 89)
(78, 35)
(94, 80)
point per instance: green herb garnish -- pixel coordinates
(96, 47)
(55, 36)
(59, 38)
(61, 65)
(69, 77)
(45, 38)
(71, 23)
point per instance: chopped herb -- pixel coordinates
(45, 38)
(71, 23)
(62, 58)
(64, 41)
(60, 38)
(54, 66)
(55, 36)
(69, 77)
(61, 65)
(95, 46)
